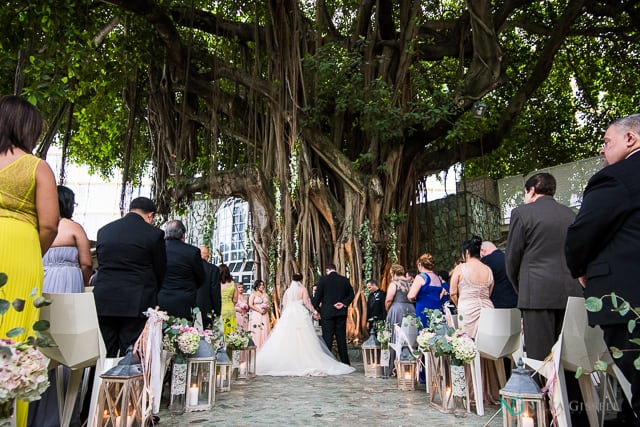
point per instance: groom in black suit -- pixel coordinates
(603, 244)
(332, 298)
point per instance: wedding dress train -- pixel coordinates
(293, 348)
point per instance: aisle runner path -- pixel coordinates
(348, 400)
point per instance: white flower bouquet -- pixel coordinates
(463, 348)
(238, 340)
(182, 340)
(425, 338)
(23, 371)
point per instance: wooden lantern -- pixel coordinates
(201, 388)
(523, 404)
(223, 371)
(406, 367)
(120, 394)
(371, 352)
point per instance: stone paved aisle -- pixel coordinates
(348, 400)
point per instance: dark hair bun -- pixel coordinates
(297, 277)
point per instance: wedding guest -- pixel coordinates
(208, 297)
(29, 216)
(259, 322)
(471, 286)
(67, 268)
(242, 309)
(229, 292)
(375, 304)
(185, 273)
(504, 294)
(426, 289)
(397, 305)
(132, 262)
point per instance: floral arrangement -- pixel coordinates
(23, 368)
(23, 371)
(383, 334)
(264, 307)
(424, 338)
(442, 340)
(183, 339)
(238, 340)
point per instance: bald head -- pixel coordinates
(487, 248)
(204, 252)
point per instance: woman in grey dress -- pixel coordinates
(67, 269)
(397, 304)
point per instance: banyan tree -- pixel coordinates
(326, 116)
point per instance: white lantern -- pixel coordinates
(201, 388)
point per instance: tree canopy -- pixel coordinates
(326, 116)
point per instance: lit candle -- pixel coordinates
(193, 395)
(243, 368)
(407, 375)
(527, 421)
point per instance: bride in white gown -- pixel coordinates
(293, 348)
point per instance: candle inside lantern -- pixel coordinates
(527, 421)
(407, 375)
(193, 395)
(243, 368)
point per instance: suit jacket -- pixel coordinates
(603, 243)
(185, 274)
(375, 306)
(132, 263)
(535, 259)
(503, 295)
(209, 296)
(329, 290)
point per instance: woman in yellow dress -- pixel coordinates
(29, 216)
(229, 292)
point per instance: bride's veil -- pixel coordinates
(294, 293)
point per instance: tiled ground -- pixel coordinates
(349, 400)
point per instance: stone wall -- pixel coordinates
(455, 219)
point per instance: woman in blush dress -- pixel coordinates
(67, 269)
(259, 322)
(471, 286)
(229, 293)
(397, 304)
(242, 309)
(294, 348)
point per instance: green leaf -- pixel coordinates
(631, 325)
(18, 304)
(614, 300)
(41, 325)
(600, 365)
(593, 304)
(4, 306)
(578, 373)
(636, 363)
(624, 308)
(15, 332)
(41, 302)
(3, 279)
(615, 352)
(635, 341)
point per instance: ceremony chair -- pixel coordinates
(75, 330)
(580, 346)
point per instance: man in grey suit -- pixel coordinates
(536, 264)
(604, 242)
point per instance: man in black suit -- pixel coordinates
(132, 263)
(209, 298)
(375, 304)
(503, 294)
(603, 243)
(332, 298)
(185, 273)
